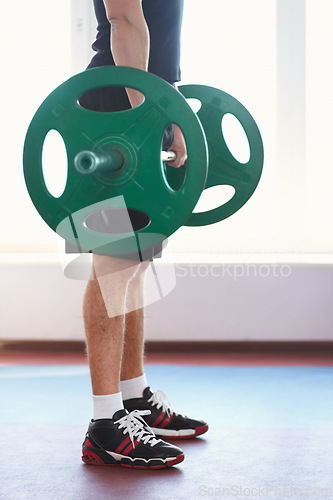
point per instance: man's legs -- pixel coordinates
(115, 345)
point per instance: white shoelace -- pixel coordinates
(157, 399)
(136, 427)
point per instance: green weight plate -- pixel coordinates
(224, 168)
(137, 134)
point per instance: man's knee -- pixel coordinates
(120, 269)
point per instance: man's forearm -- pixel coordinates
(130, 47)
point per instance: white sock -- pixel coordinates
(106, 406)
(133, 387)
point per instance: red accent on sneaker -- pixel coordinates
(88, 443)
(89, 457)
(129, 448)
(201, 430)
(177, 460)
(170, 463)
(165, 423)
(158, 420)
(198, 432)
(123, 445)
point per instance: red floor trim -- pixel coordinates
(194, 359)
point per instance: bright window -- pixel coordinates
(273, 56)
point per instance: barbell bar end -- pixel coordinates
(89, 162)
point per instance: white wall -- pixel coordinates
(243, 52)
(209, 302)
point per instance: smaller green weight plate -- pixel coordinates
(224, 168)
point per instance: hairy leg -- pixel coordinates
(133, 351)
(104, 317)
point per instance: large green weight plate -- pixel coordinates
(137, 133)
(224, 168)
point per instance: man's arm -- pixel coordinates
(130, 47)
(129, 38)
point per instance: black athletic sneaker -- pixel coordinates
(163, 420)
(127, 440)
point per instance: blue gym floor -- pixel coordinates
(271, 434)
(254, 397)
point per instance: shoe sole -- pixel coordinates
(198, 432)
(91, 458)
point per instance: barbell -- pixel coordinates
(88, 162)
(116, 166)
